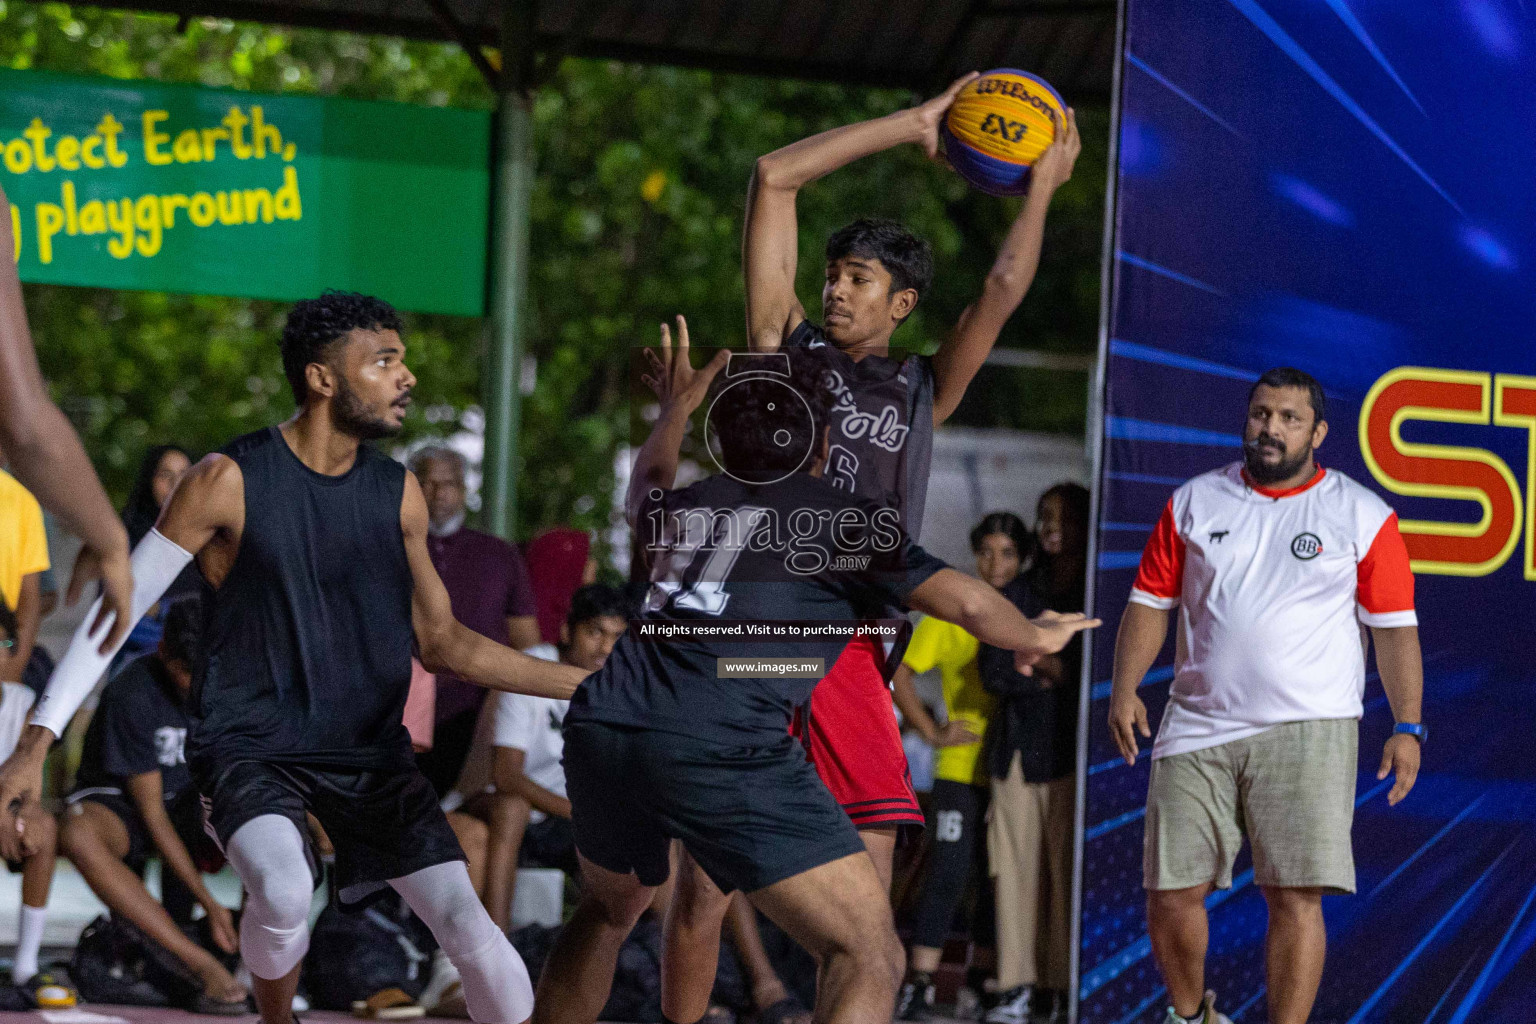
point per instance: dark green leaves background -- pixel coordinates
(637, 209)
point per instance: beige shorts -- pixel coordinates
(1289, 789)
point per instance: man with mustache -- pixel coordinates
(315, 546)
(1275, 565)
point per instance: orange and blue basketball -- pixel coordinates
(997, 128)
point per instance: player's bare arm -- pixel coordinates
(1401, 664)
(206, 515)
(447, 645)
(1142, 632)
(769, 248)
(957, 361)
(46, 455)
(990, 617)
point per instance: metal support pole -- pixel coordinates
(1096, 452)
(512, 187)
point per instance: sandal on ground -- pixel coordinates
(788, 1010)
(206, 1005)
(388, 1004)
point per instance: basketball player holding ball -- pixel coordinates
(883, 417)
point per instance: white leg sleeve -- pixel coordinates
(496, 985)
(268, 854)
(156, 563)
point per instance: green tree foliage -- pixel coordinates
(636, 216)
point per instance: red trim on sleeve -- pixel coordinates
(1161, 573)
(1383, 579)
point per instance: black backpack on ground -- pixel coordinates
(114, 962)
(353, 955)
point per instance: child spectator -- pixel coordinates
(513, 782)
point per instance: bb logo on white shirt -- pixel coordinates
(1306, 546)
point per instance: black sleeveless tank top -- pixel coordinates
(307, 651)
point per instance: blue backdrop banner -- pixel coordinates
(1344, 187)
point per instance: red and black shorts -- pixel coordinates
(849, 733)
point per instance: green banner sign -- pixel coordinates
(184, 189)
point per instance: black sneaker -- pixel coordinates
(915, 1000)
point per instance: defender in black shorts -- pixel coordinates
(315, 547)
(672, 740)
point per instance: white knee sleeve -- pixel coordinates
(268, 855)
(495, 980)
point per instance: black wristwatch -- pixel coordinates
(1417, 730)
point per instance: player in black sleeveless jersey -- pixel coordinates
(881, 432)
(315, 548)
(886, 406)
(683, 732)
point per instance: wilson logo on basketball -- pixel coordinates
(1306, 546)
(1019, 91)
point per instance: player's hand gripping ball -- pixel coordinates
(997, 128)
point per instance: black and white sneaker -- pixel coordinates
(915, 1000)
(1013, 1006)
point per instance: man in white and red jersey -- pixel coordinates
(1275, 564)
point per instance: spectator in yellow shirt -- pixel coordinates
(23, 557)
(1001, 543)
